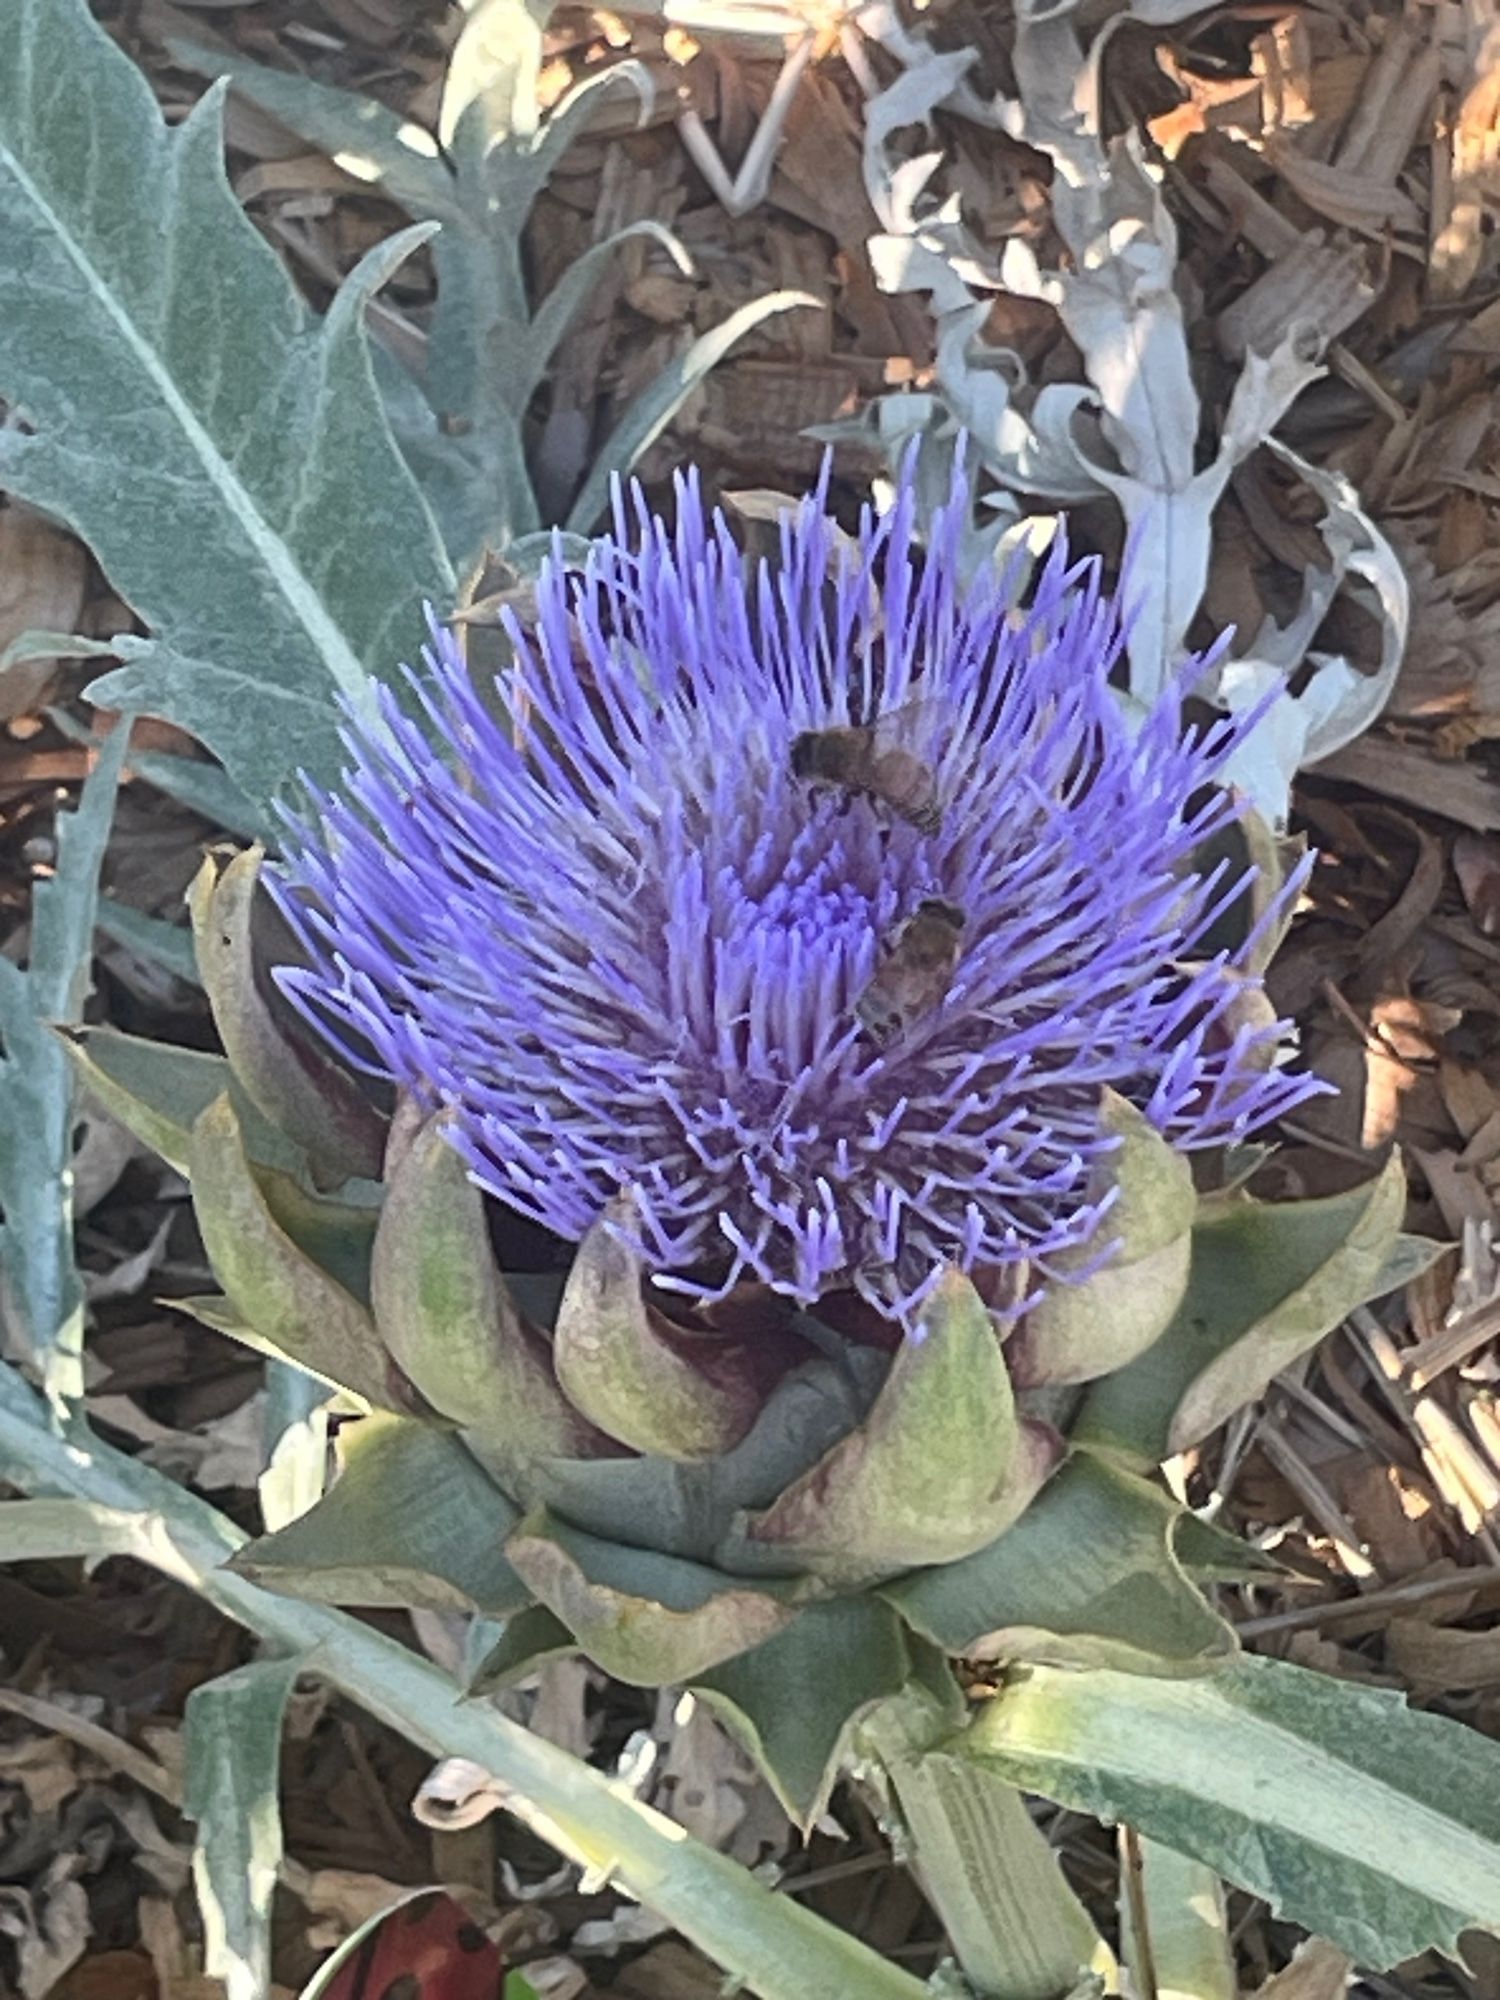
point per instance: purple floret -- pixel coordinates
(625, 950)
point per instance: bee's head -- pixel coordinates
(805, 754)
(943, 912)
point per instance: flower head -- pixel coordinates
(834, 1009)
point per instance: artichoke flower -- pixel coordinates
(804, 991)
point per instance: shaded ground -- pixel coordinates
(1333, 163)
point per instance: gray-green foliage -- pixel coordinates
(1370, 1823)
(488, 350)
(222, 451)
(777, 1948)
(233, 1745)
(42, 1287)
(228, 456)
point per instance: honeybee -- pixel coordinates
(916, 969)
(876, 759)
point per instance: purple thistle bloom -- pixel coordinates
(627, 949)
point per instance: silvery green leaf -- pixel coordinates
(1359, 550)
(179, 396)
(910, 100)
(794, 1699)
(36, 1085)
(1089, 1576)
(410, 1519)
(367, 141)
(1350, 1813)
(233, 1744)
(555, 313)
(296, 1445)
(1339, 702)
(36, 645)
(1268, 1280)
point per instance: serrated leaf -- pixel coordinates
(794, 1700)
(460, 428)
(369, 142)
(1087, 1577)
(183, 399)
(1268, 1280)
(36, 1084)
(410, 1520)
(233, 1753)
(1349, 1812)
(555, 314)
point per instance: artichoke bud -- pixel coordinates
(288, 1076)
(1078, 1332)
(940, 1466)
(640, 1379)
(444, 1313)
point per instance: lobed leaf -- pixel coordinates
(180, 397)
(37, 1087)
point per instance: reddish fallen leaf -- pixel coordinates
(427, 1949)
(108, 1975)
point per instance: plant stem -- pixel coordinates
(778, 1949)
(1017, 1929)
(1173, 1923)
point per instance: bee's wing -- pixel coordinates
(920, 726)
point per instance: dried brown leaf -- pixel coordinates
(43, 581)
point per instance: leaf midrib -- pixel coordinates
(270, 547)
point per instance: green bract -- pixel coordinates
(795, 1524)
